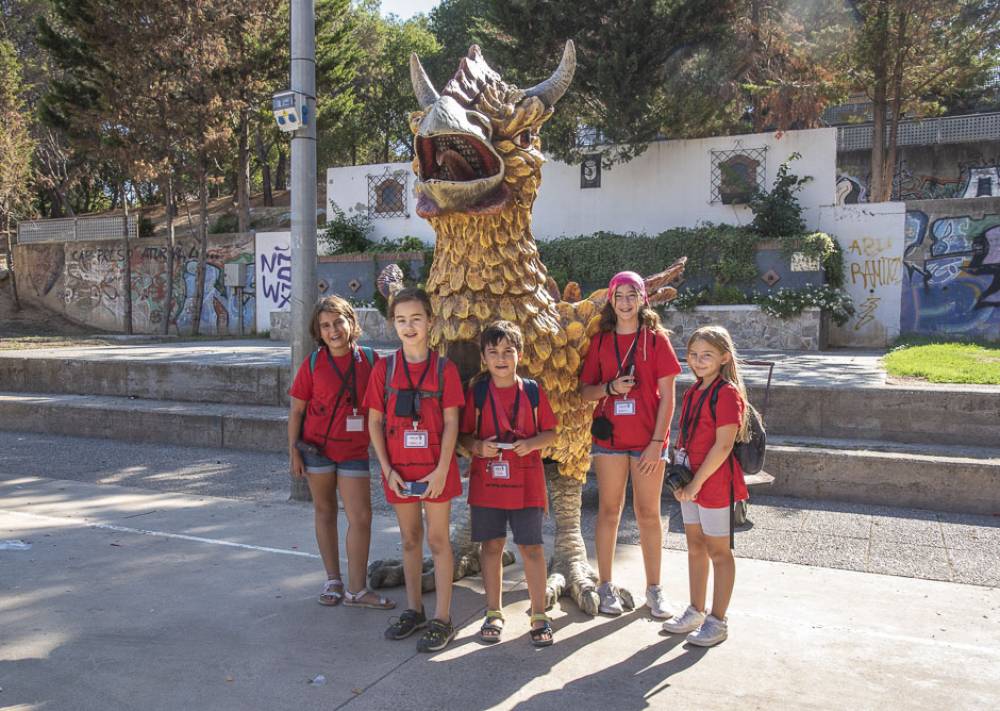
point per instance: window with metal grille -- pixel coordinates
(737, 174)
(387, 195)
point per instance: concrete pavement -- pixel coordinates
(130, 598)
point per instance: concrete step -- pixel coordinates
(929, 476)
(256, 427)
(963, 415)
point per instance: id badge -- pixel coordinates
(624, 407)
(355, 423)
(415, 439)
(500, 470)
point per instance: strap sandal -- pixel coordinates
(333, 593)
(541, 636)
(366, 597)
(437, 636)
(492, 627)
(408, 622)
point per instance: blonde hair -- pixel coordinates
(339, 307)
(718, 338)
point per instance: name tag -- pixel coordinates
(355, 423)
(500, 470)
(415, 439)
(624, 407)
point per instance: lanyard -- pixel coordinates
(512, 422)
(628, 354)
(406, 370)
(351, 380)
(688, 419)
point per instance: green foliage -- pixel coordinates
(146, 227)
(347, 234)
(687, 299)
(777, 212)
(16, 145)
(818, 245)
(723, 253)
(224, 224)
(785, 303)
(947, 362)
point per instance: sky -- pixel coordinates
(407, 8)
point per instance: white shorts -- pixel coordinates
(714, 522)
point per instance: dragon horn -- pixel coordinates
(422, 87)
(552, 89)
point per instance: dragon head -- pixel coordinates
(476, 143)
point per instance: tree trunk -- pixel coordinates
(265, 168)
(127, 269)
(896, 101)
(879, 108)
(199, 280)
(243, 172)
(168, 306)
(10, 262)
(279, 172)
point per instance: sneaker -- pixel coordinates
(657, 602)
(712, 631)
(437, 636)
(408, 622)
(610, 603)
(688, 621)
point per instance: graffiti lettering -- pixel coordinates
(872, 273)
(866, 312)
(870, 246)
(276, 276)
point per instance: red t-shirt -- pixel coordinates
(728, 411)
(525, 485)
(416, 463)
(319, 390)
(654, 358)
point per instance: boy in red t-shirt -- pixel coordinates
(506, 422)
(328, 444)
(413, 420)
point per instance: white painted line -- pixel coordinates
(69, 520)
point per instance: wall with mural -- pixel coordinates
(85, 280)
(951, 275)
(956, 170)
(871, 237)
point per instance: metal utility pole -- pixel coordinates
(303, 31)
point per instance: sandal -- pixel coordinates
(541, 636)
(333, 592)
(408, 622)
(437, 636)
(363, 598)
(490, 631)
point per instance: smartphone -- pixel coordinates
(414, 488)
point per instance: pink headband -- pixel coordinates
(631, 279)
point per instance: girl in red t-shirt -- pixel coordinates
(706, 447)
(328, 444)
(630, 370)
(413, 420)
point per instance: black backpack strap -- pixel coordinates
(390, 370)
(531, 390)
(479, 390)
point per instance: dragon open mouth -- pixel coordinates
(454, 157)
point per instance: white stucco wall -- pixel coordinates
(872, 236)
(667, 186)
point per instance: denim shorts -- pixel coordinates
(318, 464)
(634, 453)
(489, 523)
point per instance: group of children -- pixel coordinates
(412, 409)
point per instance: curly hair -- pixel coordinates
(339, 307)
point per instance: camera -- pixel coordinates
(677, 477)
(408, 404)
(601, 427)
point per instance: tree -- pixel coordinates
(15, 146)
(905, 53)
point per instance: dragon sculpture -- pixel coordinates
(478, 165)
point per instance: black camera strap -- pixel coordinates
(629, 354)
(351, 379)
(416, 388)
(336, 405)
(689, 420)
(496, 419)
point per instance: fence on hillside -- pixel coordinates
(75, 229)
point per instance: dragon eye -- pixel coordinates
(523, 139)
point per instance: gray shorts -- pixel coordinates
(489, 523)
(318, 464)
(714, 522)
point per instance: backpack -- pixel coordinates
(390, 370)
(750, 454)
(482, 387)
(368, 352)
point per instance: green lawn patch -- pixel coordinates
(946, 363)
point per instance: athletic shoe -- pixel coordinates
(688, 621)
(436, 637)
(657, 602)
(712, 631)
(408, 622)
(610, 604)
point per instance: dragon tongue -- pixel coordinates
(459, 167)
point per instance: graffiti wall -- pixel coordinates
(871, 237)
(85, 280)
(962, 170)
(951, 275)
(273, 267)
